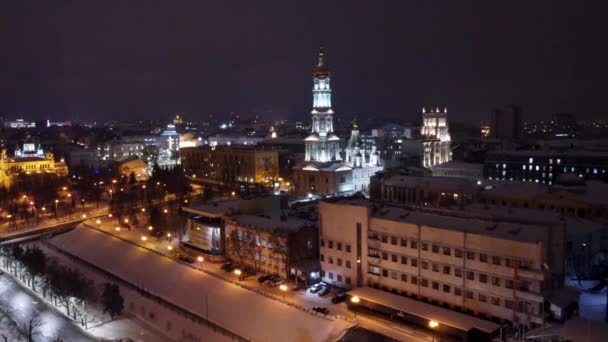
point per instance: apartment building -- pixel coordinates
(499, 270)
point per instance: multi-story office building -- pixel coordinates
(544, 166)
(118, 150)
(503, 270)
(585, 199)
(231, 164)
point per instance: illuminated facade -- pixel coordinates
(324, 169)
(436, 141)
(322, 144)
(28, 160)
(168, 154)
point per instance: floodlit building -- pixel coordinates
(30, 159)
(231, 164)
(503, 270)
(324, 169)
(134, 166)
(168, 153)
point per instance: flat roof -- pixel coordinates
(465, 222)
(268, 223)
(431, 312)
(214, 209)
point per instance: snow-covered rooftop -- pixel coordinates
(431, 312)
(214, 208)
(246, 313)
(464, 222)
(290, 223)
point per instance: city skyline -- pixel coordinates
(97, 62)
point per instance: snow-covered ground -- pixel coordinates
(592, 305)
(245, 313)
(22, 306)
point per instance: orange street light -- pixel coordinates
(98, 221)
(355, 300)
(238, 273)
(143, 238)
(117, 229)
(283, 289)
(168, 235)
(150, 227)
(170, 248)
(200, 259)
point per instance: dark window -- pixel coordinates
(404, 260)
(331, 275)
(393, 257)
(348, 280)
(339, 246)
(482, 298)
(339, 262)
(435, 285)
(495, 281)
(424, 265)
(415, 262)
(393, 240)
(414, 280)
(435, 249)
(496, 301)
(457, 291)
(470, 255)
(347, 263)
(424, 246)
(403, 277)
(330, 260)
(470, 275)
(424, 283)
(322, 243)
(458, 272)
(458, 253)
(330, 244)
(483, 257)
(384, 272)
(414, 244)
(483, 278)
(509, 284)
(447, 251)
(384, 256)
(496, 260)
(403, 242)
(322, 257)
(446, 270)
(446, 288)
(348, 248)
(435, 267)
(384, 238)
(470, 294)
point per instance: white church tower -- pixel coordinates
(322, 145)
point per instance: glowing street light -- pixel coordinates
(143, 238)
(170, 248)
(200, 259)
(165, 211)
(150, 227)
(168, 235)
(433, 325)
(109, 215)
(98, 221)
(143, 210)
(117, 229)
(84, 215)
(355, 300)
(283, 289)
(238, 273)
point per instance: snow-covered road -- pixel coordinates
(23, 306)
(250, 315)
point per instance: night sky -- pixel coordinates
(125, 59)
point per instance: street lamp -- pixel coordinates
(150, 227)
(355, 300)
(238, 273)
(433, 325)
(201, 259)
(283, 289)
(170, 248)
(143, 238)
(117, 229)
(98, 221)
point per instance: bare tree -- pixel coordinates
(30, 327)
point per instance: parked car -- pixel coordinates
(229, 267)
(248, 272)
(326, 289)
(320, 309)
(277, 281)
(339, 298)
(186, 258)
(316, 288)
(264, 278)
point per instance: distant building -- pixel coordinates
(231, 165)
(324, 169)
(458, 170)
(506, 123)
(544, 166)
(118, 150)
(134, 166)
(499, 269)
(30, 159)
(19, 123)
(168, 153)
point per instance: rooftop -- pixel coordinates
(459, 165)
(270, 224)
(214, 209)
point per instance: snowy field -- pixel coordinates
(251, 316)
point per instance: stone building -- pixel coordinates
(30, 159)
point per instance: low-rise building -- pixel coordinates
(497, 269)
(28, 160)
(458, 169)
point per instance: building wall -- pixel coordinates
(231, 165)
(476, 273)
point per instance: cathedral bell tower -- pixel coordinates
(322, 144)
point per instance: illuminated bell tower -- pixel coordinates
(322, 144)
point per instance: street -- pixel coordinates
(25, 310)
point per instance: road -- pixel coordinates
(22, 306)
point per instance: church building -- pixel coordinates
(326, 168)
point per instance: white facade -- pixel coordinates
(495, 269)
(436, 139)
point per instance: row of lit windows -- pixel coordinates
(447, 288)
(445, 250)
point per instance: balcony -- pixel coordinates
(524, 293)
